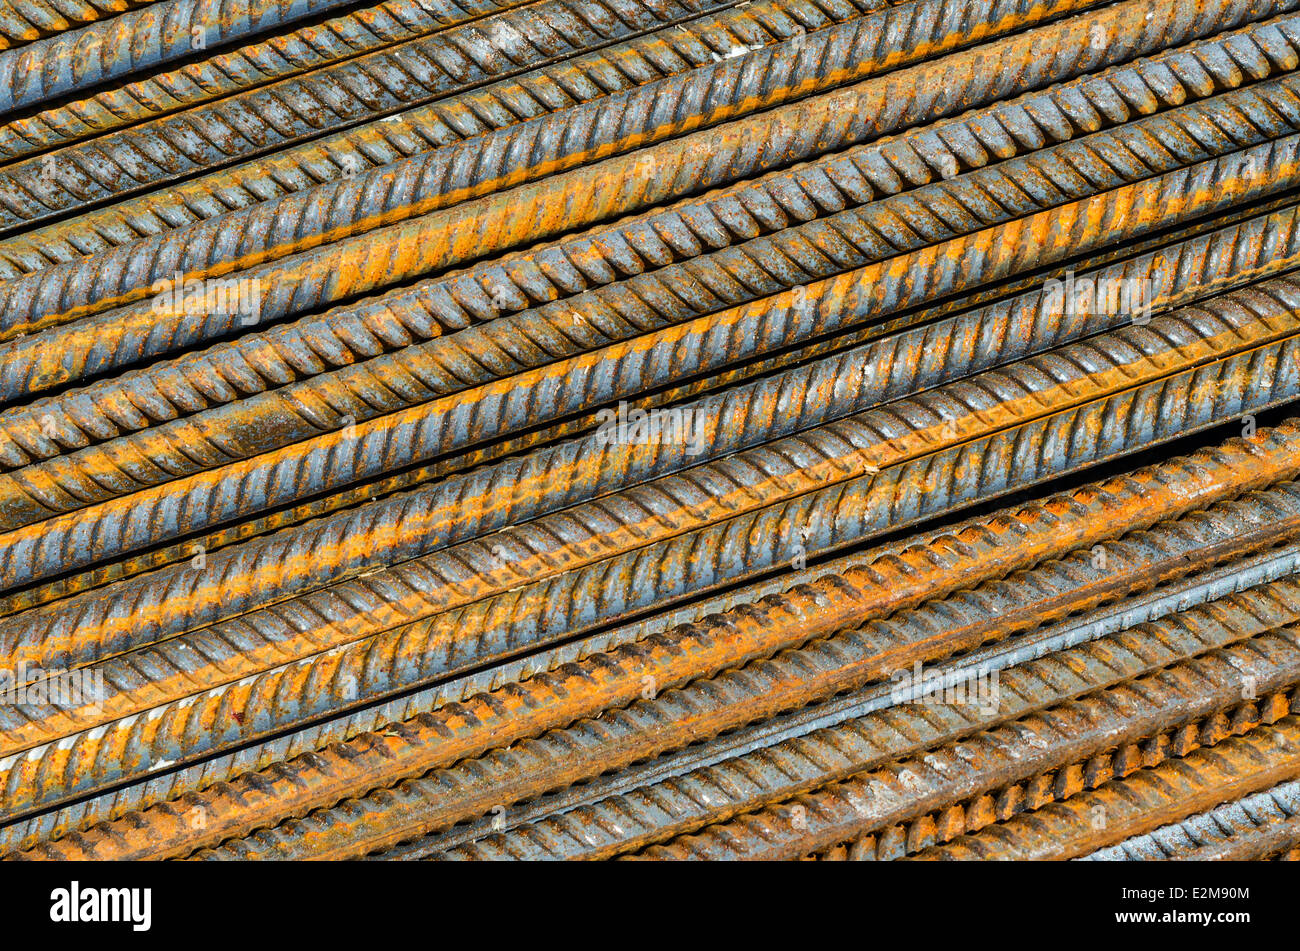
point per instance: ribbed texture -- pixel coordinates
(115, 339)
(796, 255)
(126, 44)
(619, 396)
(261, 361)
(609, 680)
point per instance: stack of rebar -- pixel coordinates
(671, 429)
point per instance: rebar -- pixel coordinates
(995, 333)
(25, 21)
(604, 682)
(1122, 807)
(212, 437)
(575, 384)
(622, 823)
(136, 677)
(635, 421)
(111, 339)
(520, 153)
(137, 40)
(307, 103)
(815, 462)
(1249, 828)
(915, 493)
(1063, 745)
(256, 362)
(228, 72)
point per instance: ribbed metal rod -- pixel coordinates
(587, 381)
(570, 623)
(629, 790)
(136, 684)
(392, 138)
(853, 238)
(1235, 767)
(524, 152)
(222, 74)
(617, 185)
(1206, 263)
(395, 482)
(457, 57)
(94, 625)
(1272, 842)
(901, 840)
(1069, 735)
(608, 681)
(26, 21)
(353, 829)
(259, 361)
(1249, 828)
(135, 41)
(1234, 467)
(241, 577)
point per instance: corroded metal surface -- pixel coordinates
(364, 391)
(351, 452)
(116, 328)
(606, 681)
(1250, 828)
(1227, 769)
(568, 429)
(414, 71)
(366, 29)
(136, 41)
(25, 21)
(583, 134)
(1064, 745)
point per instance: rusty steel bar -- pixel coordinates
(26, 21)
(136, 41)
(670, 802)
(537, 210)
(457, 56)
(639, 813)
(1249, 828)
(1062, 748)
(402, 135)
(224, 73)
(178, 599)
(157, 557)
(523, 152)
(257, 362)
(919, 490)
(837, 267)
(67, 585)
(1231, 768)
(387, 531)
(356, 827)
(610, 680)
(902, 840)
(135, 675)
(1276, 841)
(852, 238)
(577, 383)
(501, 778)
